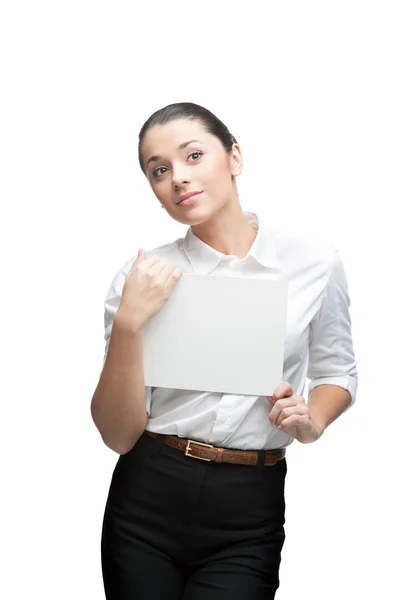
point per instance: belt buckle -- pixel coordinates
(188, 448)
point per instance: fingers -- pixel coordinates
(173, 278)
(159, 266)
(294, 420)
(161, 271)
(283, 406)
(143, 262)
(299, 410)
(148, 285)
(149, 262)
(153, 264)
(283, 390)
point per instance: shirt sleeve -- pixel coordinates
(331, 355)
(111, 305)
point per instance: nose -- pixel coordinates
(180, 177)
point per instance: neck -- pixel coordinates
(228, 232)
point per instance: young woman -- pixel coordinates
(196, 507)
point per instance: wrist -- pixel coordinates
(124, 321)
(320, 426)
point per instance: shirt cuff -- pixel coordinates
(349, 383)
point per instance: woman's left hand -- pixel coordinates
(291, 415)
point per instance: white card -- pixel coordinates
(218, 334)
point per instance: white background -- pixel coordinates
(309, 89)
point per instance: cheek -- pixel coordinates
(217, 174)
(161, 190)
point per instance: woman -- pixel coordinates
(176, 527)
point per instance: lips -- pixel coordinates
(187, 196)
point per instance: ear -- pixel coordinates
(236, 162)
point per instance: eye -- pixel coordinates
(196, 153)
(156, 172)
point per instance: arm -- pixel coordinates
(121, 400)
(332, 365)
(326, 403)
(118, 406)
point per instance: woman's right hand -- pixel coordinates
(147, 287)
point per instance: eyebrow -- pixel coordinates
(183, 145)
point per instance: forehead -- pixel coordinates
(164, 139)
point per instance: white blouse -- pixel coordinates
(318, 343)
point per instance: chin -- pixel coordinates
(191, 221)
(195, 217)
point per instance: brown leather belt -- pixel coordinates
(219, 455)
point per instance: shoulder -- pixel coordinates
(299, 251)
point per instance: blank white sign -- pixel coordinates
(218, 334)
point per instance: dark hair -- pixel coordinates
(188, 110)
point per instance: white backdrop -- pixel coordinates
(310, 90)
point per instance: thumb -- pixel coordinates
(141, 256)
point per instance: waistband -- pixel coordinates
(211, 453)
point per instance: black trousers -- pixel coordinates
(179, 528)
